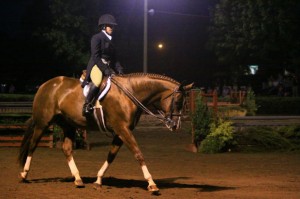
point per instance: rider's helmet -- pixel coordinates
(107, 19)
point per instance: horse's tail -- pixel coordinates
(26, 142)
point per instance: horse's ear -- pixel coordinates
(188, 87)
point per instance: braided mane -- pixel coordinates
(151, 75)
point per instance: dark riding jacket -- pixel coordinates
(103, 55)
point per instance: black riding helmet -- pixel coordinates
(107, 19)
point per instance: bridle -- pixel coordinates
(170, 122)
(165, 118)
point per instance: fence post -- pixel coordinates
(193, 94)
(215, 102)
(192, 110)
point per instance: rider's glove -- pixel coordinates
(119, 68)
(120, 71)
(107, 72)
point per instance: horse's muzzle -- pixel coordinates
(172, 125)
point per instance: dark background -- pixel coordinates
(181, 25)
(26, 62)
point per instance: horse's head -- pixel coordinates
(165, 94)
(172, 105)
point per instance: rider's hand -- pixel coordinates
(107, 72)
(119, 68)
(120, 71)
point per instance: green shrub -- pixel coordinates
(219, 138)
(201, 120)
(289, 132)
(250, 104)
(262, 139)
(292, 133)
(210, 145)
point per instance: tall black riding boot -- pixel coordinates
(88, 104)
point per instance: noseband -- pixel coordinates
(165, 118)
(168, 116)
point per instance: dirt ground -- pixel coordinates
(177, 172)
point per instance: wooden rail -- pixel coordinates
(212, 100)
(15, 139)
(20, 127)
(15, 107)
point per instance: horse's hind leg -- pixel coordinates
(32, 144)
(69, 133)
(116, 145)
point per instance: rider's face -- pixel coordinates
(109, 29)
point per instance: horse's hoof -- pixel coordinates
(156, 193)
(22, 179)
(79, 184)
(153, 189)
(97, 186)
(22, 175)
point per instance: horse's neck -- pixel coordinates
(147, 88)
(151, 89)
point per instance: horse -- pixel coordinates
(60, 100)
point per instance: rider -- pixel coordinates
(103, 57)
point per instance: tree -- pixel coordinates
(261, 32)
(68, 33)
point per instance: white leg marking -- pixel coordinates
(26, 167)
(27, 164)
(147, 175)
(74, 169)
(101, 172)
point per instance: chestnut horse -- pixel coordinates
(60, 100)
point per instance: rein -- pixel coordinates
(167, 120)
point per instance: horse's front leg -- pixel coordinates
(67, 149)
(131, 143)
(115, 147)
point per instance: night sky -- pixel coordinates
(184, 36)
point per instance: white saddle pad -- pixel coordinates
(103, 93)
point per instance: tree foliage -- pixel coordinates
(256, 31)
(68, 33)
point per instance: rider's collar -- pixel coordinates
(109, 36)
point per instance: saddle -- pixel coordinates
(103, 88)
